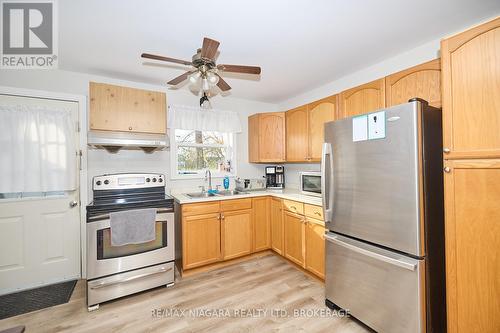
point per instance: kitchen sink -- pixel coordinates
(218, 194)
(230, 192)
(200, 195)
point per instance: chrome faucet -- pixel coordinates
(208, 175)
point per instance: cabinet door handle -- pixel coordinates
(317, 213)
(447, 169)
(446, 150)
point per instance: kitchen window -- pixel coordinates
(193, 152)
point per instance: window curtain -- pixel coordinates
(195, 118)
(38, 149)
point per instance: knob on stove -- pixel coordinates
(160, 180)
(154, 180)
(106, 182)
(148, 180)
(98, 183)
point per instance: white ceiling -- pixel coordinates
(300, 45)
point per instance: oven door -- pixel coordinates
(104, 259)
(310, 183)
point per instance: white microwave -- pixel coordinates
(310, 183)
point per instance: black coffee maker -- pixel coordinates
(275, 177)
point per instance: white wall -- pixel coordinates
(407, 59)
(100, 161)
(418, 55)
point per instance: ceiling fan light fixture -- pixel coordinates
(193, 78)
(204, 71)
(213, 78)
(205, 84)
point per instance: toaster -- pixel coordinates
(257, 184)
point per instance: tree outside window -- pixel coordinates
(198, 151)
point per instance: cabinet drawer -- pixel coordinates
(200, 208)
(294, 206)
(316, 212)
(236, 204)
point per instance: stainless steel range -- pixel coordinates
(116, 271)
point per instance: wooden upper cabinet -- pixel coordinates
(115, 108)
(471, 92)
(297, 134)
(362, 99)
(253, 138)
(422, 81)
(320, 112)
(266, 137)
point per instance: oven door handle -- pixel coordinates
(106, 216)
(132, 278)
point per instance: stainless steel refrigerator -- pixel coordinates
(382, 188)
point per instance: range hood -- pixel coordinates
(114, 141)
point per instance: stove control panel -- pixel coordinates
(128, 181)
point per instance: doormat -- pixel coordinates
(35, 299)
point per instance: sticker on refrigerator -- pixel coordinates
(359, 128)
(376, 125)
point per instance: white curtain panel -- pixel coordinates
(38, 149)
(193, 118)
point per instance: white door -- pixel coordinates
(40, 231)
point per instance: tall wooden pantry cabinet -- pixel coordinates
(471, 120)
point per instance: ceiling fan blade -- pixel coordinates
(162, 58)
(240, 69)
(223, 84)
(180, 78)
(209, 48)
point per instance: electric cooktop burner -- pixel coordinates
(118, 192)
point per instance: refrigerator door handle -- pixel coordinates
(345, 243)
(327, 182)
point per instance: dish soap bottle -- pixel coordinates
(226, 182)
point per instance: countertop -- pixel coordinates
(285, 194)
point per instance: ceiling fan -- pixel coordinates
(205, 68)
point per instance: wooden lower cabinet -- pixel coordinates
(236, 233)
(472, 226)
(261, 224)
(200, 240)
(294, 237)
(277, 225)
(227, 229)
(315, 246)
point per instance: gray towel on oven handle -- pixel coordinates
(133, 226)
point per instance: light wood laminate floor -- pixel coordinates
(267, 283)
